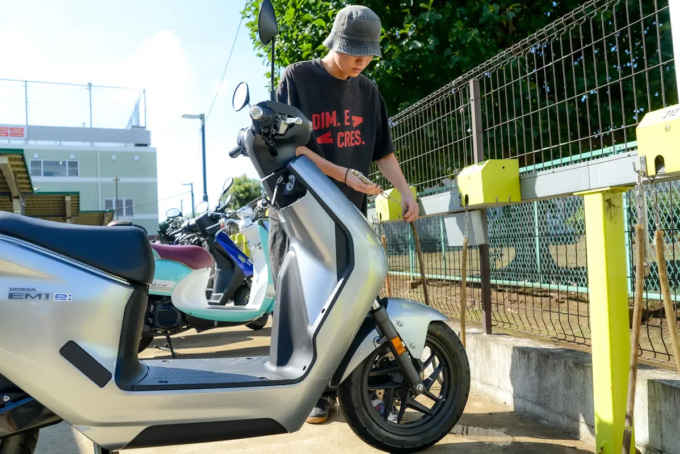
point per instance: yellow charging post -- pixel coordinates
(388, 206)
(608, 295)
(496, 182)
(491, 182)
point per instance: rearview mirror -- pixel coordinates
(267, 28)
(227, 201)
(223, 206)
(227, 184)
(202, 207)
(241, 96)
(173, 213)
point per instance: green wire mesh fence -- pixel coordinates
(572, 92)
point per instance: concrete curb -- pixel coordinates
(554, 385)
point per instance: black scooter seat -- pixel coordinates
(121, 251)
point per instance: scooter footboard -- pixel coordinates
(411, 320)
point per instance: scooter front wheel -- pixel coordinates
(379, 407)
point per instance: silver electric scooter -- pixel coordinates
(72, 299)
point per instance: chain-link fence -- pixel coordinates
(662, 212)
(537, 258)
(572, 92)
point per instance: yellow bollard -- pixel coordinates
(609, 314)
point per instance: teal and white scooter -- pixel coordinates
(242, 291)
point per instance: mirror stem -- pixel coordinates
(272, 94)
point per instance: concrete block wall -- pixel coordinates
(554, 385)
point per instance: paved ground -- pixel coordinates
(484, 428)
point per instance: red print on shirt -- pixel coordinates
(347, 136)
(326, 138)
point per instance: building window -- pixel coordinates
(45, 168)
(73, 169)
(36, 168)
(125, 207)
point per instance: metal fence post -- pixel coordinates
(443, 243)
(674, 10)
(89, 89)
(478, 155)
(537, 242)
(26, 100)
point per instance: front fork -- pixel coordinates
(401, 354)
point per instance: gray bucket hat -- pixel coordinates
(356, 32)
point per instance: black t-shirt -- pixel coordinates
(349, 118)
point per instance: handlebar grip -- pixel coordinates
(190, 226)
(264, 115)
(235, 152)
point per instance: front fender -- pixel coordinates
(411, 320)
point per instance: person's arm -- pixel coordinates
(384, 157)
(338, 172)
(389, 166)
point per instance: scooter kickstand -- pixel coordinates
(168, 347)
(172, 350)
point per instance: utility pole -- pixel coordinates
(202, 118)
(115, 207)
(191, 186)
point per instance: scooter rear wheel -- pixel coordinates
(382, 411)
(21, 443)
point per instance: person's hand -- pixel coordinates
(355, 183)
(302, 150)
(410, 208)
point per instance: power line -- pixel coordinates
(231, 51)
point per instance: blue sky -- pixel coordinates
(175, 49)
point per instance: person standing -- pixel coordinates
(350, 127)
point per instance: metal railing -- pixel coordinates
(574, 91)
(74, 105)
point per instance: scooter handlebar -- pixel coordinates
(236, 151)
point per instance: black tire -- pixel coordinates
(21, 443)
(259, 323)
(242, 295)
(144, 342)
(408, 428)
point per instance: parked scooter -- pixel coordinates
(178, 300)
(72, 301)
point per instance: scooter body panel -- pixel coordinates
(316, 322)
(167, 275)
(189, 298)
(241, 260)
(411, 319)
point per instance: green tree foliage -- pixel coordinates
(579, 86)
(243, 191)
(425, 44)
